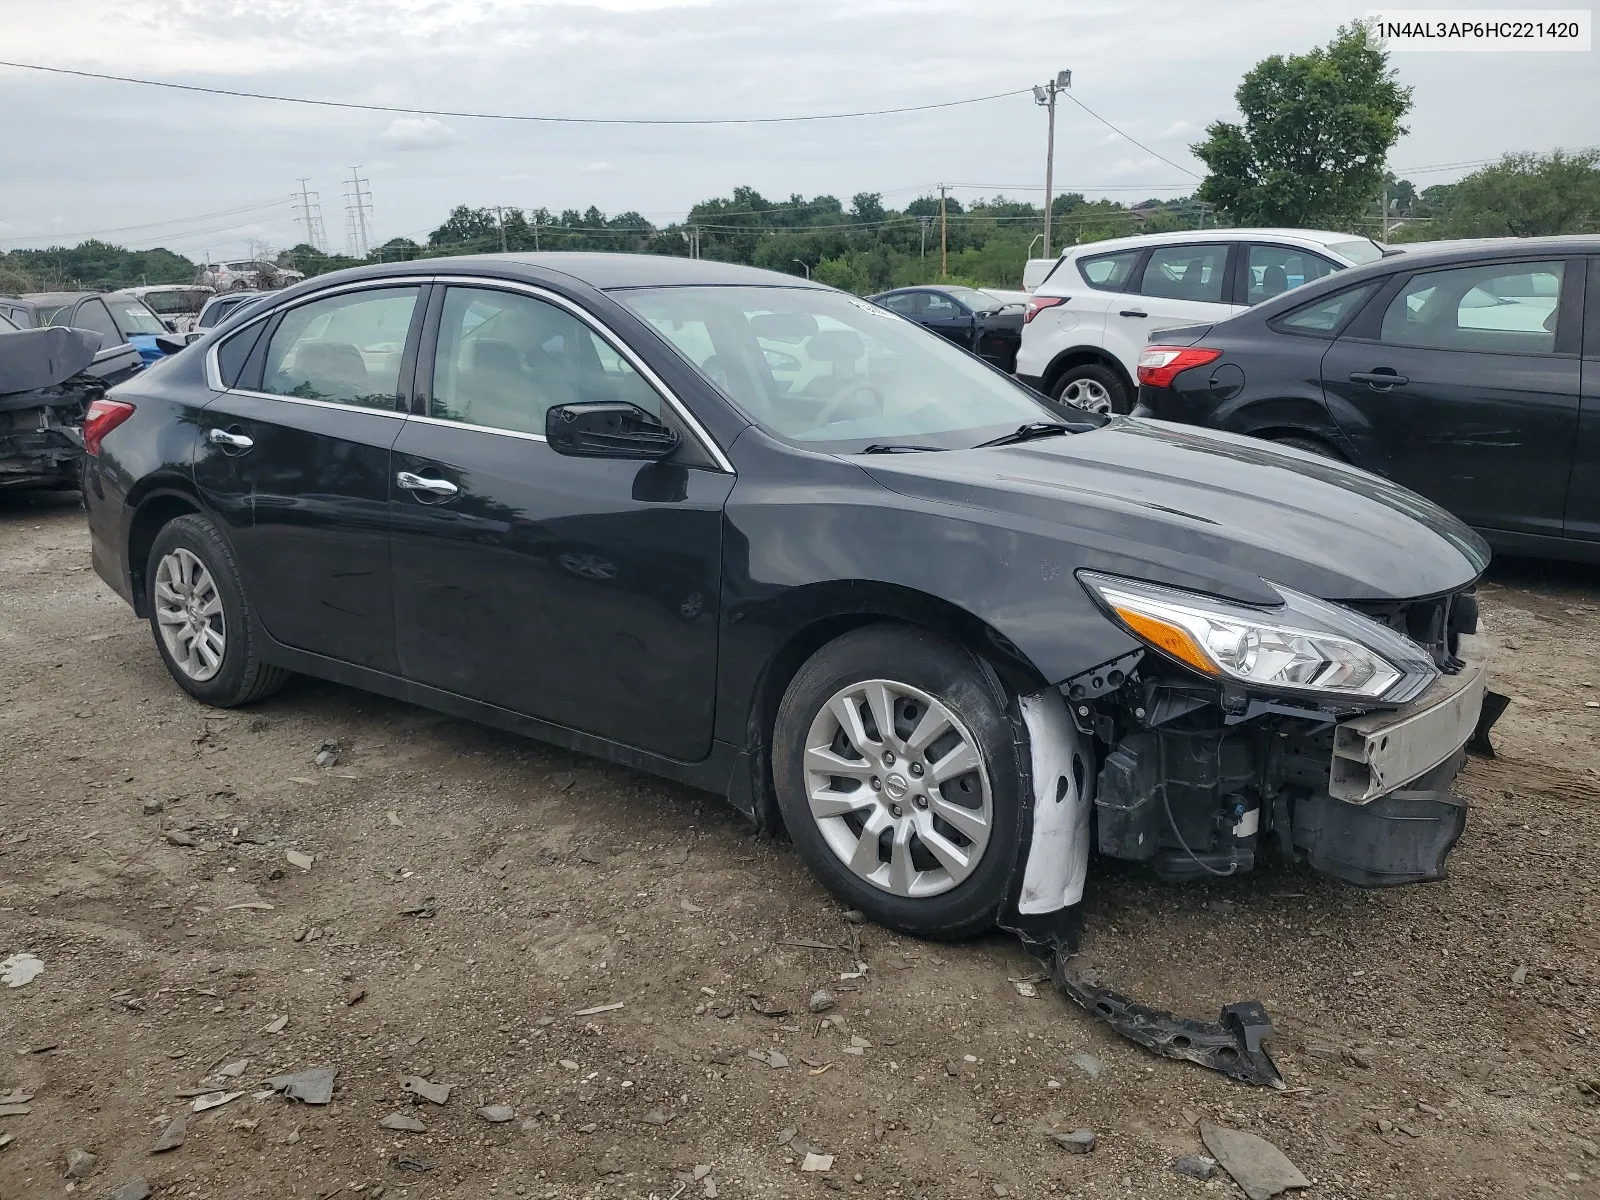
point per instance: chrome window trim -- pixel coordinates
(622, 349)
(447, 423)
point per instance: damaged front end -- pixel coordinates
(1342, 756)
(43, 398)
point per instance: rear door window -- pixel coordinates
(1185, 273)
(1503, 308)
(344, 350)
(908, 304)
(1326, 317)
(92, 314)
(1109, 272)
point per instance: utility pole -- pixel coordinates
(1384, 218)
(357, 206)
(536, 231)
(923, 223)
(944, 235)
(310, 216)
(500, 218)
(1046, 96)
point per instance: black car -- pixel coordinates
(892, 601)
(1469, 373)
(989, 326)
(116, 358)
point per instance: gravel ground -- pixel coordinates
(471, 894)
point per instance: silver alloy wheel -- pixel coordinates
(898, 788)
(189, 613)
(1087, 394)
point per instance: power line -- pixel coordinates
(439, 112)
(1121, 134)
(226, 212)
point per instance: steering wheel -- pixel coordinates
(831, 410)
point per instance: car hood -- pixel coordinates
(1206, 510)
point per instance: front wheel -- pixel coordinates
(897, 776)
(200, 616)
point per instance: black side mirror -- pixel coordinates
(607, 429)
(169, 345)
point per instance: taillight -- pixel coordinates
(1037, 304)
(1160, 365)
(103, 416)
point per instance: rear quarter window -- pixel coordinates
(1109, 272)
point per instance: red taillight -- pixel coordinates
(1037, 304)
(103, 416)
(1160, 365)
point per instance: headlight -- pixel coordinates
(1303, 645)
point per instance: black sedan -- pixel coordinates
(989, 326)
(884, 596)
(1468, 373)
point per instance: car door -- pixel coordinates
(1461, 383)
(579, 591)
(1184, 284)
(1582, 517)
(295, 457)
(949, 318)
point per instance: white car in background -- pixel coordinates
(1087, 322)
(178, 305)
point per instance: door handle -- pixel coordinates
(1379, 378)
(234, 441)
(419, 483)
(1132, 312)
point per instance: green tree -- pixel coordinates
(1317, 129)
(1522, 195)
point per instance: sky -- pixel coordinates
(209, 176)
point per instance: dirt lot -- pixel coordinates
(1434, 1038)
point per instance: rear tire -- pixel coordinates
(201, 619)
(1093, 387)
(931, 849)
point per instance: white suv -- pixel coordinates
(1087, 322)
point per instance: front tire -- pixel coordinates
(201, 619)
(897, 776)
(1093, 387)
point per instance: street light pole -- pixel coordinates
(1045, 95)
(801, 264)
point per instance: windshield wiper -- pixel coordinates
(1027, 433)
(890, 448)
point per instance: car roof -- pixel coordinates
(1320, 237)
(47, 298)
(598, 269)
(1473, 249)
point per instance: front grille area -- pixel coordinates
(1436, 624)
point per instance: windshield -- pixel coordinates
(132, 316)
(1358, 251)
(833, 372)
(975, 300)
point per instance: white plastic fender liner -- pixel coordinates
(1063, 784)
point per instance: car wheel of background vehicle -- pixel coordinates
(1310, 446)
(200, 617)
(1094, 388)
(897, 776)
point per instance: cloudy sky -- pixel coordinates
(205, 174)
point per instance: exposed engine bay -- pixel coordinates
(43, 398)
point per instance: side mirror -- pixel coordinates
(169, 345)
(172, 326)
(607, 429)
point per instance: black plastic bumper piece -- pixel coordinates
(1234, 1045)
(1400, 838)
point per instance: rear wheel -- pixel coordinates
(1093, 388)
(897, 776)
(201, 618)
